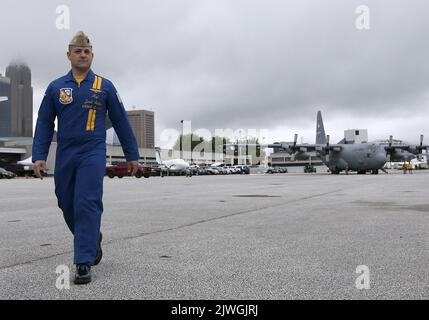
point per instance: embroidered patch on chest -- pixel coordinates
(66, 95)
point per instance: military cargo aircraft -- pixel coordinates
(359, 157)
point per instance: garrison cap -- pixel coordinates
(80, 40)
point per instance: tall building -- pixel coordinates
(16, 113)
(5, 111)
(143, 124)
(356, 136)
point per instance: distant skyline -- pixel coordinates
(250, 64)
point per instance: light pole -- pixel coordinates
(265, 151)
(181, 138)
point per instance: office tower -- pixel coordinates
(16, 113)
(5, 111)
(143, 124)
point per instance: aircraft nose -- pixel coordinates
(381, 159)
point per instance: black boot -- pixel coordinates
(83, 274)
(99, 251)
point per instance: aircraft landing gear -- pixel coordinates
(361, 172)
(375, 171)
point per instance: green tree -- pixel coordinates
(190, 140)
(250, 146)
(218, 143)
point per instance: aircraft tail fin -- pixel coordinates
(158, 155)
(320, 130)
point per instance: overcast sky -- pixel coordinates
(252, 64)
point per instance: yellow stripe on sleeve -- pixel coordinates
(88, 122)
(93, 120)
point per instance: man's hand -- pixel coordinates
(133, 167)
(40, 168)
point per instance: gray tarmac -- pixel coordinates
(283, 236)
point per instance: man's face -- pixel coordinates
(80, 57)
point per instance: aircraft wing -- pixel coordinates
(410, 148)
(415, 149)
(248, 145)
(305, 147)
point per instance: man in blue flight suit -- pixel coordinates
(80, 101)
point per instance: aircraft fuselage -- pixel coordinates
(356, 157)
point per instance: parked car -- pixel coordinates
(19, 169)
(236, 169)
(120, 170)
(212, 170)
(4, 174)
(202, 171)
(309, 169)
(276, 170)
(269, 170)
(195, 170)
(155, 171)
(244, 169)
(220, 170)
(228, 170)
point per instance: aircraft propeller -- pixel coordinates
(327, 147)
(293, 147)
(416, 149)
(419, 156)
(389, 149)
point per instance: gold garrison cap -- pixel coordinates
(80, 40)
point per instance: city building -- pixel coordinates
(356, 136)
(143, 124)
(16, 104)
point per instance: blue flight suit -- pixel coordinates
(81, 151)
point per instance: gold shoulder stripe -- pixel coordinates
(94, 85)
(100, 79)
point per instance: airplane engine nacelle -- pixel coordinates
(300, 155)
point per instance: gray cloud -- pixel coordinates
(243, 63)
